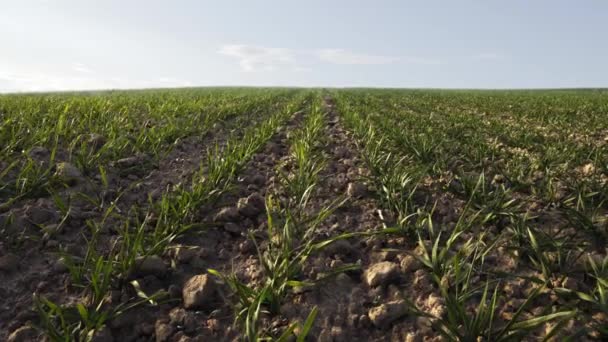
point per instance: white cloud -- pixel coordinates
(253, 58)
(340, 56)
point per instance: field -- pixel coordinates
(274, 214)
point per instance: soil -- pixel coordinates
(35, 231)
(361, 305)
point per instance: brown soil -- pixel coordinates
(361, 305)
(34, 233)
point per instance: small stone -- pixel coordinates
(25, 333)
(150, 265)
(198, 292)
(163, 331)
(213, 324)
(251, 206)
(68, 173)
(177, 316)
(228, 214)
(381, 273)
(9, 262)
(436, 305)
(385, 314)
(409, 264)
(356, 190)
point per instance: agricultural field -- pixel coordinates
(276, 214)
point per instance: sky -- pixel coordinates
(111, 44)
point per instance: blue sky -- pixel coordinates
(70, 44)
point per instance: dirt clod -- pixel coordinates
(356, 190)
(163, 331)
(199, 291)
(251, 206)
(228, 214)
(409, 264)
(385, 314)
(150, 265)
(67, 173)
(381, 273)
(177, 316)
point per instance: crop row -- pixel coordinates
(142, 237)
(46, 140)
(461, 199)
